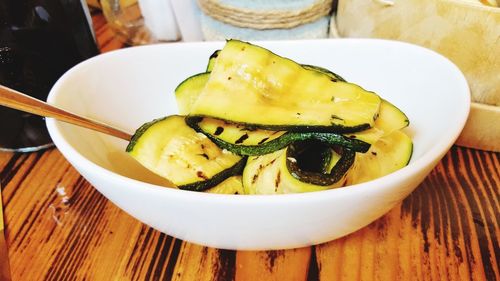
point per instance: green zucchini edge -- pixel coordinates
(236, 169)
(338, 171)
(333, 128)
(334, 76)
(211, 60)
(282, 141)
(138, 133)
(187, 80)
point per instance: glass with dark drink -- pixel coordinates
(39, 41)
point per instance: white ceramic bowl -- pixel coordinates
(131, 86)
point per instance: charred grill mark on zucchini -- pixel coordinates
(201, 175)
(263, 140)
(261, 168)
(337, 118)
(241, 139)
(207, 183)
(280, 142)
(205, 155)
(254, 178)
(218, 131)
(277, 181)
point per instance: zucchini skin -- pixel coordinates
(211, 60)
(333, 76)
(282, 141)
(140, 131)
(294, 128)
(237, 169)
(337, 173)
(188, 90)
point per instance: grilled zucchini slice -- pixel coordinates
(232, 185)
(280, 172)
(243, 140)
(390, 153)
(232, 133)
(257, 87)
(390, 119)
(188, 159)
(187, 91)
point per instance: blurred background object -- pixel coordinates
(465, 31)
(265, 20)
(187, 14)
(39, 41)
(139, 22)
(94, 4)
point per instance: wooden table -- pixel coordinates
(60, 228)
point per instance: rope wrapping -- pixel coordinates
(265, 19)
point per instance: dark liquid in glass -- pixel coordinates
(39, 41)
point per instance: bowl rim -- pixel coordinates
(433, 155)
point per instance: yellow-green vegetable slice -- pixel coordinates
(250, 84)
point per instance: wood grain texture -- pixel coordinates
(273, 265)
(59, 227)
(446, 230)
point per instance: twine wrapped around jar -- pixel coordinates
(262, 20)
(265, 19)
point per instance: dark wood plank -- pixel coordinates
(447, 229)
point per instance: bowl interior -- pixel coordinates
(131, 86)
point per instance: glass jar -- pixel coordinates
(138, 22)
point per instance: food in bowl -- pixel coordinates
(258, 123)
(138, 83)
